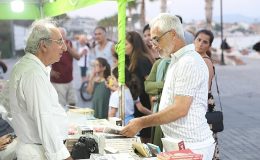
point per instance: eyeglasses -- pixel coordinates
(58, 41)
(155, 40)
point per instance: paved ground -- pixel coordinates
(240, 92)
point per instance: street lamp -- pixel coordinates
(222, 61)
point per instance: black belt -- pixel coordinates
(41, 144)
(37, 144)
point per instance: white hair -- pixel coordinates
(165, 22)
(39, 30)
(64, 31)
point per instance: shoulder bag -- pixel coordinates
(214, 117)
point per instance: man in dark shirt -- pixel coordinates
(61, 73)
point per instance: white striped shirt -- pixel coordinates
(187, 75)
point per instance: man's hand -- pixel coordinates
(3, 147)
(4, 141)
(68, 45)
(69, 158)
(111, 83)
(132, 128)
(55, 74)
(154, 98)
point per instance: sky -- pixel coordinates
(188, 9)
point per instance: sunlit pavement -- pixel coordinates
(240, 92)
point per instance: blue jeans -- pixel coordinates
(128, 118)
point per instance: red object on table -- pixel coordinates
(185, 154)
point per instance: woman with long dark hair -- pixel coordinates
(202, 42)
(97, 87)
(140, 64)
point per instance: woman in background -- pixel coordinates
(147, 39)
(97, 87)
(140, 64)
(202, 42)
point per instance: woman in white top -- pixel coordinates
(132, 93)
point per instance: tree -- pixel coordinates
(208, 13)
(217, 27)
(61, 19)
(163, 6)
(142, 13)
(110, 23)
(130, 6)
(133, 5)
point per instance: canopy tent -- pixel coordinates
(36, 9)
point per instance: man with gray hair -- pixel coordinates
(183, 103)
(39, 121)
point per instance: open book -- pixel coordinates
(113, 129)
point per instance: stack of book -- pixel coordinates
(84, 111)
(146, 150)
(185, 154)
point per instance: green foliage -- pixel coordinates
(132, 5)
(243, 30)
(109, 21)
(61, 19)
(135, 18)
(217, 27)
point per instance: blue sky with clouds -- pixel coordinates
(188, 9)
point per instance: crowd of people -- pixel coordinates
(168, 79)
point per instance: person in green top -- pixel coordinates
(97, 87)
(153, 86)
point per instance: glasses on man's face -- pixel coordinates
(155, 40)
(60, 42)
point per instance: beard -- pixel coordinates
(165, 52)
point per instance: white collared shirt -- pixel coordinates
(187, 75)
(37, 115)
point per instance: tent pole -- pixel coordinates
(12, 37)
(41, 8)
(120, 49)
(122, 104)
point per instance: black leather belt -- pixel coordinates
(37, 144)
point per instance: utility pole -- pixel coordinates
(12, 40)
(222, 61)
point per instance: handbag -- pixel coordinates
(215, 118)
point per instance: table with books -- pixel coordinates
(112, 145)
